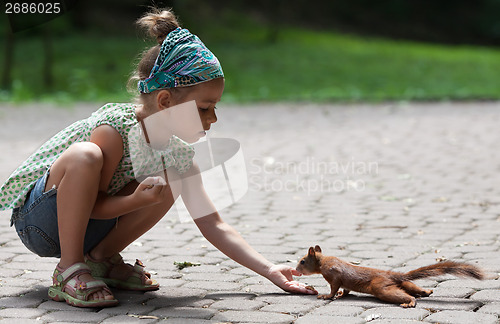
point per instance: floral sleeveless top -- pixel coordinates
(138, 161)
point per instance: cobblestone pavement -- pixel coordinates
(393, 186)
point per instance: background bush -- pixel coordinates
(271, 50)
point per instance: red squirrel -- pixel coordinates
(389, 286)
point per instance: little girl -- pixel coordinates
(77, 197)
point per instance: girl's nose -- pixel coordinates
(212, 117)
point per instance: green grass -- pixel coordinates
(85, 68)
(316, 66)
(300, 65)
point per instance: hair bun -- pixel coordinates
(159, 23)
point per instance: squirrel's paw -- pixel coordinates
(411, 304)
(329, 296)
(426, 293)
(341, 293)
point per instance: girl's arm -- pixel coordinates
(142, 195)
(228, 240)
(106, 206)
(231, 243)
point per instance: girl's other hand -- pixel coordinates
(282, 276)
(151, 191)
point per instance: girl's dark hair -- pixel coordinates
(158, 23)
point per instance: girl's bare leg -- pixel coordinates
(76, 175)
(131, 226)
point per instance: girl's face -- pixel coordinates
(206, 95)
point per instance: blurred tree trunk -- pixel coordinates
(48, 59)
(8, 60)
(273, 20)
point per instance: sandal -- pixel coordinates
(135, 275)
(68, 287)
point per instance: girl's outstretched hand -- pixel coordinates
(282, 276)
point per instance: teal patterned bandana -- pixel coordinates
(183, 61)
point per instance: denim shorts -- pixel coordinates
(36, 223)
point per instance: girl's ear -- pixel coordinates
(164, 99)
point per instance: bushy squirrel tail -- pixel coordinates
(458, 269)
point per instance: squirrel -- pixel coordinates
(390, 286)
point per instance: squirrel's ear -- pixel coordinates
(311, 251)
(317, 248)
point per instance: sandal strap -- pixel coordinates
(83, 290)
(82, 285)
(139, 267)
(62, 277)
(102, 269)
(116, 259)
(108, 264)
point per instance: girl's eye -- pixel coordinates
(207, 108)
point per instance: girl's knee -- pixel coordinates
(83, 158)
(86, 154)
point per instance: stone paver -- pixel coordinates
(462, 317)
(393, 186)
(394, 313)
